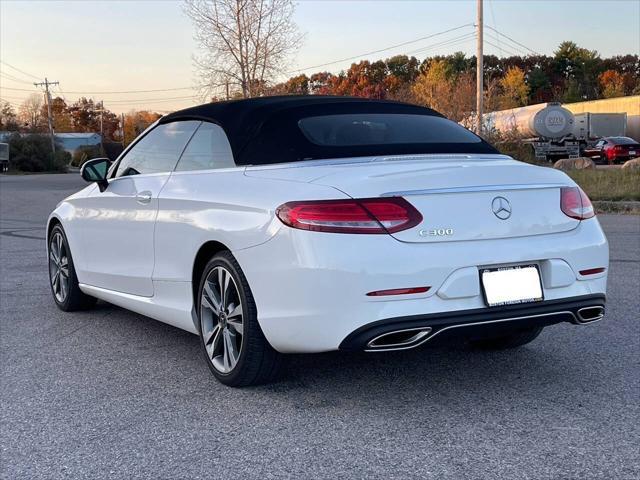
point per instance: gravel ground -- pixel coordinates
(111, 394)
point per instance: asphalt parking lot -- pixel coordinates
(109, 393)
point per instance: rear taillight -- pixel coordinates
(367, 215)
(574, 203)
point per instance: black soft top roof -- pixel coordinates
(265, 130)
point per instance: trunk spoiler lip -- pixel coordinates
(415, 157)
(477, 188)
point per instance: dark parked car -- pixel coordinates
(613, 150)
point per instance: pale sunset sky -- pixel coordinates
(114, 46)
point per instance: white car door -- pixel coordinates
(117, 225)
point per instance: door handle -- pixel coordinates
(143, 197)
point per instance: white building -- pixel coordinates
(71, 141)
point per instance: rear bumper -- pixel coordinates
(476, 323)
(310, 287)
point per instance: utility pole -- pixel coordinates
(479, 72)
(46, 85)
(101, 110)
(122, 123)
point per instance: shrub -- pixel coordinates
(32, 153)
(85, 153)
(511, 143)
(61, 160)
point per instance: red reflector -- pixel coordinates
(367, 215)
(574, 203)
(398, 291)
(592, 271)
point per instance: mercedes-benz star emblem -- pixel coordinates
(501, 208)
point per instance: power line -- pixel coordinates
(7, 76)
(124, 102)
(493, 17)
(514, 41)
(12, 103)
(508, 47)
(18, 70)
(506, 50)
(108, 92)
(380, 50)
(133, 91)
(18, 89)
(446, 43)
(62, 93)
(139, 100)
(11, 97)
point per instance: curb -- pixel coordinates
(621, 207)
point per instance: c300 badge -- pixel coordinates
(437, 232)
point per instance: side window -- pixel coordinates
(600, 144)
(207, 149)
(159, 150)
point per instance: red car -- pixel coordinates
(613, 150)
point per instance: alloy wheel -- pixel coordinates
(221, 319)
(59, 267)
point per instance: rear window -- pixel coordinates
(623, 141)
(361, 129)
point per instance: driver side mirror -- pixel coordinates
(96, 170)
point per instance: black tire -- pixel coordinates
(74, 299)
(258, 362)
(513, 340)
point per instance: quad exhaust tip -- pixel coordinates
(399, 339)
(590, 314)
(407, 338)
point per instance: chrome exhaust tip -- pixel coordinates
(590, 314)
(399, 339)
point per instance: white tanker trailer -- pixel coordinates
(548, 127)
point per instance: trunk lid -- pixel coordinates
(460, 197)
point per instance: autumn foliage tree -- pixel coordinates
(444, 89)
(402, 73)
(446, 82)
(298, 85)
(136, 122)
(87, 116)
(8, 117)
(612, 84)
(515, 90)
(61, 116)
(433, 87)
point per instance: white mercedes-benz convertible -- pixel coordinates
(309, 223)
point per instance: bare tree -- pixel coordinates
(30, 111)
(245, 43)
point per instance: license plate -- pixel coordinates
(511, 285)
(632, 152)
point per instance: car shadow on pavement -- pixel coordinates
(435, 373)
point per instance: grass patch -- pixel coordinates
(612, 185)
(617, 208)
